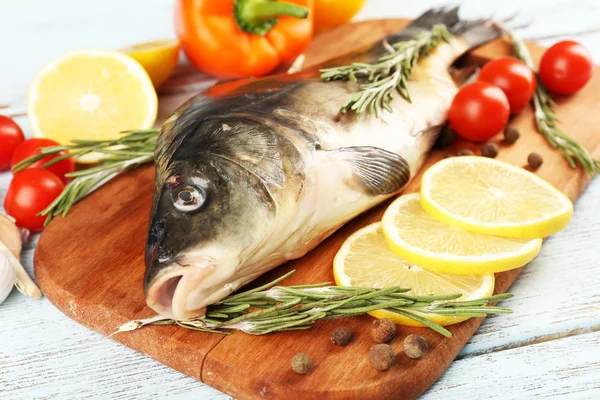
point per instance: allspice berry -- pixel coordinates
(446, 137)
(535, 160)
(489, 149)
(381, 356)
(511, 134)
(415, 346)
(383, 330)
(342, 335)
(301, 363)
(465, 152)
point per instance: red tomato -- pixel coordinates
(29, 192)
(514, 77)
(479, 111)
(10, 137)
(566, 67)
(31, 148)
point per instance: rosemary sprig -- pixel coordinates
(546, 119)
(127, 152)
(271, 308)
(389, 74)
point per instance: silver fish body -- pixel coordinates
(256, 172)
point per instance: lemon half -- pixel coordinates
(159, 58)
(90, 94)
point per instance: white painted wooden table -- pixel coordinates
(549, 347)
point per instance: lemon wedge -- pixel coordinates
(489, 196)
(421, 239)
(159, 58)
(366, 260)
(90, 94)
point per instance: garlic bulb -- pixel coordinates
(8, 277)
(10, 249)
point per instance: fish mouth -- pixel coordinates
(171, 294)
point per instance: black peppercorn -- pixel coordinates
(381, 356)
(301, 363)
(535, 160)
(511, 134)
(342, 335)
(489, 149)
(383, 330)
(415, 346)
(465, 152)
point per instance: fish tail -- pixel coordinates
(473, 32)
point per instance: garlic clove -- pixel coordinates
(10, 235)
(24, 283)
(10, 249)
(8, 277)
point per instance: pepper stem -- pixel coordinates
(260, 16)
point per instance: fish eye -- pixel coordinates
(188, 198)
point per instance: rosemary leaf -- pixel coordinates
(233, 309)
(234, 297)
(215, 314)
(389, 74)
(197, 328)
(431, 325)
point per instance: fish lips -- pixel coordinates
(168, 282)
(172, 292)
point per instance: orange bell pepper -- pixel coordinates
(241, 38)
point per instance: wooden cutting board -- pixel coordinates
(91, 265)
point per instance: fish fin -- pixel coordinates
(474, 32)
(376, 171)
(444, 15)
(477, 32)
(432, 130)
(461, 75)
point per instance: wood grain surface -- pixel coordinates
(96, 278)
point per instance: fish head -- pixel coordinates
(209, 212)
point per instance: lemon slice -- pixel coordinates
(419, 238)
(489, 196)
(90, 94)
(366, 260)
(159, 58)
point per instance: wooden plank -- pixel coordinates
(556, 294)
(558, 369)
(101, 296)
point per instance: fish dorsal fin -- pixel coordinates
(242, 141)
(376, 171)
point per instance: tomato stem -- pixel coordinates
(260, 16)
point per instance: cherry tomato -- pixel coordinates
(10, 137)
(479, 111)
(566, 67)
(29, 192)
(31, 148)
(514, 77)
